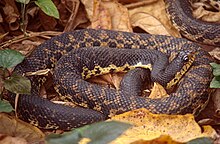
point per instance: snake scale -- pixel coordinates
(189, 97)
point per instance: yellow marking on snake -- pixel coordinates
(98, 70)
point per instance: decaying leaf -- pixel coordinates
(11, 14)
(215, 53)
(14, 127)
(107, 15)
(158, 91)
(216, 100)
(152, 18)
(200, 12)
(6, 139)
(71, 7)
(163, 139)
(148, 126)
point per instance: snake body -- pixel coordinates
(70, 84)
(189, 97)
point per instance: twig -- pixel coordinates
(19, 38)
(16, 104)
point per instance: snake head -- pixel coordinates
(186, 56)
(185, 60)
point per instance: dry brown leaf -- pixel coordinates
(1, 18)
(158, 91)
(81, 18)
(216, 101)
(148, 126)
(152, 18)
(200, 12)
(98, 16)
(12, 140)
(215, 53)
(47, 22)
(107, 15)
(148, 23)
(14, 127)
(72, 6)
(11, 15)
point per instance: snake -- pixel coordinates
(97, 103)
(180, 13)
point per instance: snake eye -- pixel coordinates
(185, 58)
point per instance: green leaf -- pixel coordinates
(216, 69)
(72, 137)
(98, 133)
(5, 106)
(18, 84)
(23, 1)
(106, 132)
(48, 7)
(215, 83)
(203, 140)
(10, 58)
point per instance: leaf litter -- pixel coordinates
(123, 15)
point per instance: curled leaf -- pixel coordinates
(14, 127)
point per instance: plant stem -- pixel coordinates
(23, 18)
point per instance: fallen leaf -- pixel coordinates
(72, 6)
(152, 18)
(1, 18)
(47, 22)
(200, 12)
(158, 91)
(5, 139)
(14, 127)
(163, 139)
(80, 19)
(98, 16)
(216, 100)
(148, 23)
(11, 15)
(148, 126)
(215, 53)
(107, 15)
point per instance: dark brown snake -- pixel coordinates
(190, 96)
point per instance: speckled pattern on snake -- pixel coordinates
(190, 96)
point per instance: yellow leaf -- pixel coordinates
(14, 127)
(164, 139)
(148, 126)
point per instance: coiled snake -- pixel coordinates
(189, 97)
